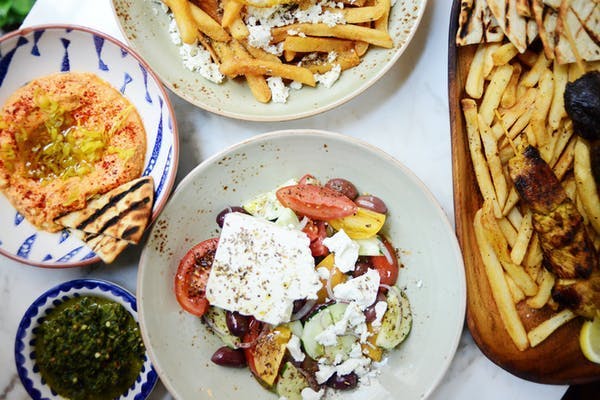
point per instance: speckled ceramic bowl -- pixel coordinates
(146, 29)
(180, 345)
(25, 339)
(38, 51)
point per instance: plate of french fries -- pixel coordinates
(509, 64)
(269, 60)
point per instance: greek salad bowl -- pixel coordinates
(183, 347)
(27, 354)
(145, 24)
(40, 51)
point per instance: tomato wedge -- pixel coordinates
(316, 202)
(388, 272)
(192, 276)
(316, 232)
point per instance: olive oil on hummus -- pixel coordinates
(63, 139)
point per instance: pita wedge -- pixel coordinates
(476, 24)
(122, 213)
(546, 19)
(578, 30)
(105, 247)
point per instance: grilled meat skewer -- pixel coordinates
(567, 248)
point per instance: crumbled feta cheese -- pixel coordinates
(323, 273)
(380, 309)
(194, 57)
(295, 85)
(351, 365)
(344, 249)
(325, 372)
(330, 77)
(279, 92)
(328, 337)
(362, 289)
(260, 268)
(293, 345)
(309, 394)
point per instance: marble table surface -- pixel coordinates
(405, 113)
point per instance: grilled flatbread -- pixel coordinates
(578, 30)
(105, 247)
(476, 24)
(545, 18)
(122, 213)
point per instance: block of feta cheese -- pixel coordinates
(260, 268)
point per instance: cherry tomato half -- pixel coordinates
(388, 273)
(192, 276)
(316, 202)
(316, 232)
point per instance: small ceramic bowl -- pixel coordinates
(146, 28)
(25, 340)
(42, 50)
(432, 276)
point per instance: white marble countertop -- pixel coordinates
(405, 113)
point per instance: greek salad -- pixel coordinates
(300, 286)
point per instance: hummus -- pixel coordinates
(63, 139)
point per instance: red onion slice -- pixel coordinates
(301, 313)
(386, 253)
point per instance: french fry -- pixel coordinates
(546, 328)
(238, 29)
(259, 88)
(494, 163)
(509, 97)
(515, 291)
(544, 292)
(498, 242)
(231, 12)
(587, 190)
(564, 135)
(509, 232)
(207, 25)
(499, 287)
(475, 77)
(345, 60)
(312, 44)
(511, 201)
(540, 109)
(260, 67)
(348, 31)
(565, 161)
(557, 109)
(482, 172)
(503, 54)
(354, 15)
(519, 249)
(488, 61)
(531, 77)
(493, 94)
(184, 20)
(381, 24)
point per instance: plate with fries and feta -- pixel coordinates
(524, 96)
(269, 60)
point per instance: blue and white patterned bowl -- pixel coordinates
(42, 50)
(25, 340)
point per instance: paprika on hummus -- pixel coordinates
(63, 139)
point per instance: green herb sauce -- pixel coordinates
(89, 348)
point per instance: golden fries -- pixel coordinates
(293, 50)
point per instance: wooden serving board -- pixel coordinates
(557, 360)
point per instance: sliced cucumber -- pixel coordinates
(215, 316)
(320, 321)
(341, 350)
(291, 382)
(369, 247)
(296, 327)
(287, 217)
(266, 204)
(397, 321)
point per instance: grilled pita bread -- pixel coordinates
(105, 247)
(476, 24)
(122, 213)
(578, 30)
(545, 18)
(523, 8)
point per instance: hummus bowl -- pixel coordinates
(180, 345)
(40, 51)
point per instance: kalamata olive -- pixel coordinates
(229, 357)
(227, 210)
(372, 203)
(237, 323)
(343, 382)
(370, 313)
(343, 186)
(298, 304)
(361, 267)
